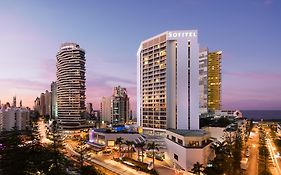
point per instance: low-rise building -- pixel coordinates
(186, 147)
(229, 132)
(216, 133)
(230, 114)
(107, 137)
(14, 118)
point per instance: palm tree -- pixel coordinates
(153, 146)
(129, 144)
(219, 163)
(139, 147)
(219, 148)
(119, 141)
(197, 168)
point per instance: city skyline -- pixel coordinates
(32, 32)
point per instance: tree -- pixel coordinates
(81, 149)
(197, 168)
(90, 170)
(214, 169)
(11, 153)
(140, 146)
(57, 158)
(236, 152)
(129, 144)
(221, 162)
(27, 157)
(153, 146)
(223, 121)
(119, 141)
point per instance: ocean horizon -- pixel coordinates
(267, 115)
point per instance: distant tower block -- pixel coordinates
(14, 101)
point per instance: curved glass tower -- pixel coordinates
(71, 86)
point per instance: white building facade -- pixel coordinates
(54, 100)
(203, 80)
(167, 82)
(186, 147)
(14, 118)
(115, 109)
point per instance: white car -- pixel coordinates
(247, 153)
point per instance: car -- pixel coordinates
(157, 157)
(149, 154)
(247, 153)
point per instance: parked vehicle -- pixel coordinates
(247, 152)
(244, 163)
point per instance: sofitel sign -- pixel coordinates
(181, 34)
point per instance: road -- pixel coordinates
(106, 162)
(42, 131)
(253, 144)
(275, 169)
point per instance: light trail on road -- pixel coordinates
(274, 160)
(42, 131)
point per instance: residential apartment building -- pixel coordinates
(71, 86)
(115, 109)
(14, 118)
(48, 102)
(209, 80)
(214, 80)
(203, 80)
(54, 100)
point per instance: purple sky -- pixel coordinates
(248, 33)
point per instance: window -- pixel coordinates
(174, 138)
(180, 141)
(176, 157)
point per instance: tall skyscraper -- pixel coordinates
(203, 80)
(20, 103)
(48, 102)
(214, 80)
(210, 80)
(106, 109)
(42, 104)
(14, 101)
(54, 103)
(89, 108)
(168, 82)
(37, 104)
(115, 109)
(120, 106)
(71, 86)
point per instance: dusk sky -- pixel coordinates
(247, 31)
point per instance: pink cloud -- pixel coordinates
(26, 90)
(255, 75)
(251, 90)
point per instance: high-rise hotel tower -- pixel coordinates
(168, 82)
(70, 85)
(214, 80)
(210, 80)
